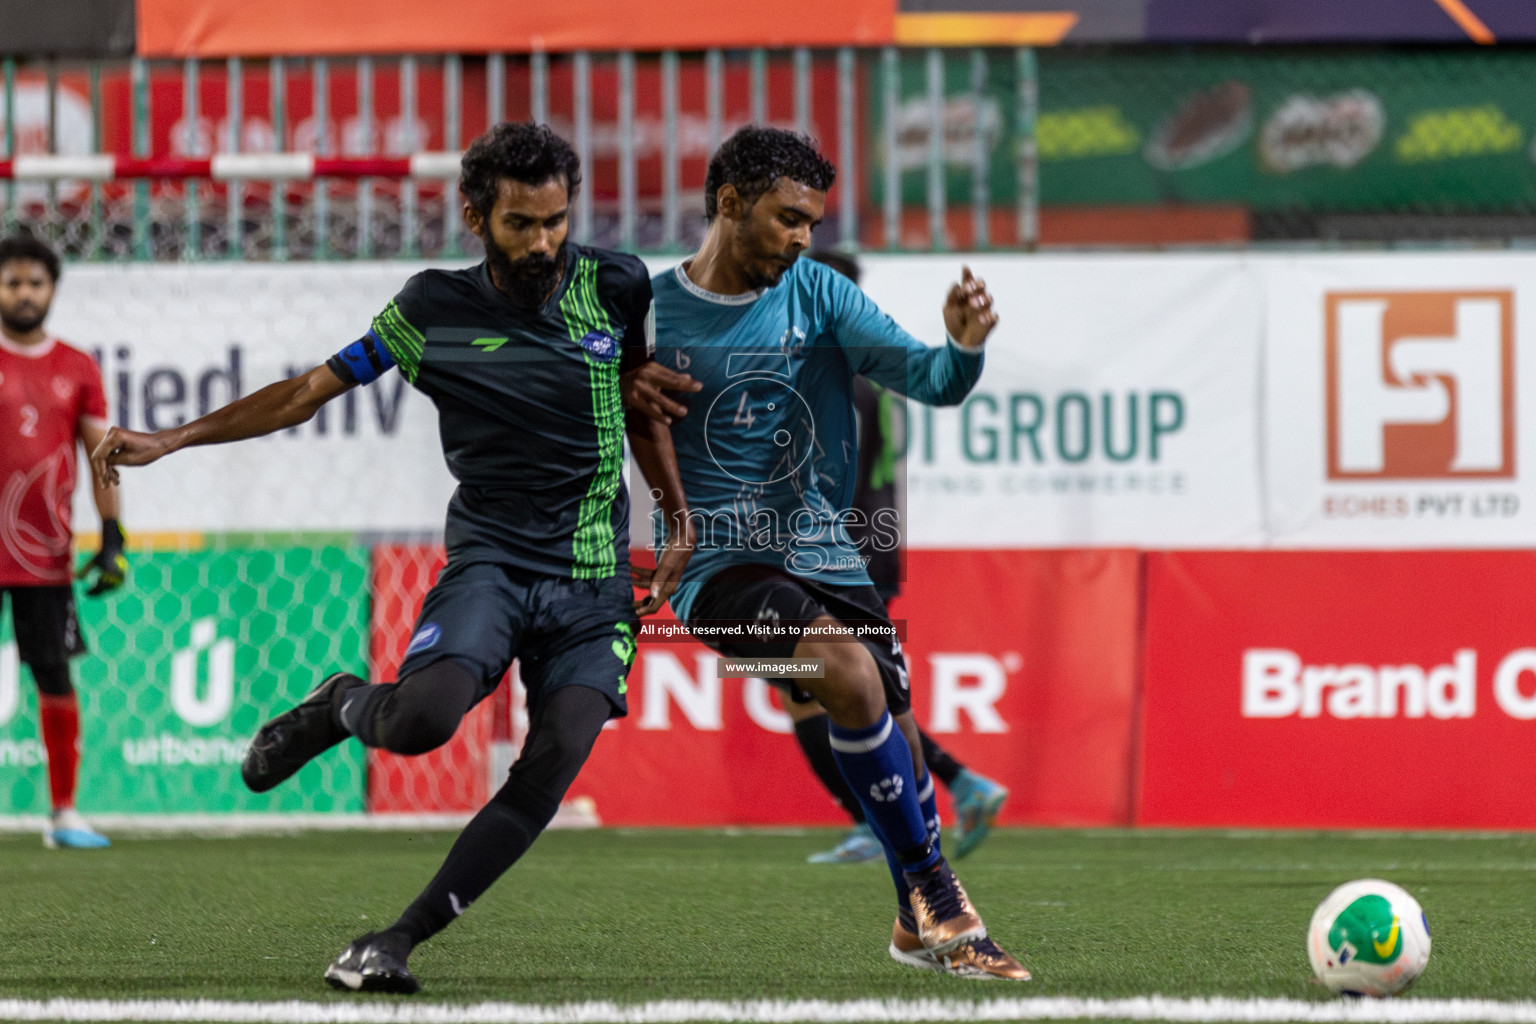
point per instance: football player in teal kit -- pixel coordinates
(768, 454)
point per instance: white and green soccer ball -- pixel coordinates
(1368, 938)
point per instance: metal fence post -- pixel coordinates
(936, 156)
(803, 99)
(759, 64)
(582, 88)
(890, 77)
(714, 97)
(408, 195)
(365, 185)
(320, 72)
(495, 90)
(1029, 198)
(192, 241)
(538, 93)
(628, 191)
(847, 147)
(234, 192)
(138, 70)
(669, 168)
(8, 69)
(981, 197)
(51, 210)
(453, 141)
(93, 249)
(279, 105)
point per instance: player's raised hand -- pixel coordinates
(125, 448)
(644, 390)
(968, 313)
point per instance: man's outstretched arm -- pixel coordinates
(275, 407)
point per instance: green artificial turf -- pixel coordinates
(640, 915)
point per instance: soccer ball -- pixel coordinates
(1368, 938)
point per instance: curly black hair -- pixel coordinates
(529, 153)
(25, 246)
(756, 157)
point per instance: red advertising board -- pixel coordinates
(1339, 689)
(1023, 664)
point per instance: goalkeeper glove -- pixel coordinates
(110, 564)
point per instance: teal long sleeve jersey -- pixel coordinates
(769, 449)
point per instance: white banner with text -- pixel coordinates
(1131, 400)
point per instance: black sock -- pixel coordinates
(559, 739)
(944, 767)
(816, 745)
(490, 844)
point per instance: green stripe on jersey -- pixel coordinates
(593, 542)
(405, 343)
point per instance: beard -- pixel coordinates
(23, 319)
(771, 273)
(528, 281)
(762, 269)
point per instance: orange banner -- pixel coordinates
(256, 28)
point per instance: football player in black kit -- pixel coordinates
(522, 355)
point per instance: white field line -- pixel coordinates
(1149, 1008)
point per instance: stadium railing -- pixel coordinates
(938, 149)
(157, 159)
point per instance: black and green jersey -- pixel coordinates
(528, 406)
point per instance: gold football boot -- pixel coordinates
(981, 959)
(907, 949)
(943, 912)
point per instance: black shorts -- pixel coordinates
(740, 595)
(47, 630)
(565, 632)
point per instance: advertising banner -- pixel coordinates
(1397, 398)
(1169, 401)
(175, 342)
(187, 661)
(1226, 21)
(1117, 406)
(216, 28)
(223, 28)
(1030, 680)
(1339, 690)
(1360, 131)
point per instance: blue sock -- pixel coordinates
(930, 807)
(878, 766)
(898, 875)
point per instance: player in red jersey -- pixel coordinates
(50, 401)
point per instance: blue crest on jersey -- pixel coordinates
(602, 346)
(425, 637)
